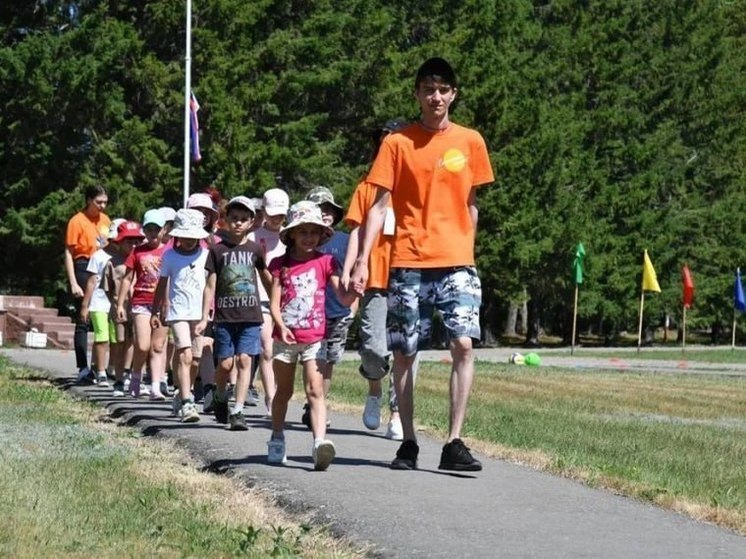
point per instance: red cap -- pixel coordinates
(129, 230)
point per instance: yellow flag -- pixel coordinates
(649, 279)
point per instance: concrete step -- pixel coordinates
(49, 321)
(34, 314)
(21, 302)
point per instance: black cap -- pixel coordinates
(436, 68)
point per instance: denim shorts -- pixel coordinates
(235, 338)
(416, 293)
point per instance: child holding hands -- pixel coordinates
(299, 280)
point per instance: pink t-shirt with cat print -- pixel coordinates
(303, 294)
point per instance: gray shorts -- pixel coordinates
(333, 347)
(374, 349)
(416, 293)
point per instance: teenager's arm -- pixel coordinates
(75, 289)
(266, 278)
(370, 231)
(124, 291)
(350, 255)
(472, 204)
(207, 296)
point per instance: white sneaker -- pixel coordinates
(372, 413)
(323, 453)
(395, 431)
(252, 398)
(189, 413)
(102, 381)
(276, 452)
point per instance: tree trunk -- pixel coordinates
(511, 321)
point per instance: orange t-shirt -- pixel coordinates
(380, 255)
(85, 235)
(430, 176)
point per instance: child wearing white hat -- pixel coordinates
(183, 271)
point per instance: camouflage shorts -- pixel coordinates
(333, 347)
(415, 294)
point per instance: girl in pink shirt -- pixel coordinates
(299, 280)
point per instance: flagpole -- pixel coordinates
(683, 332)
(639, 329)
(574, 320)
(187, 92)
(733, 336)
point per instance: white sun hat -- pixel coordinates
(188, 225)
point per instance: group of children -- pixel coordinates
(254, 285)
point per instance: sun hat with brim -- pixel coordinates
(321, 195)
(304, 212)
(114, 227)
(200, 200)
(129, 230)
(242, 202)
(153, 217)
(188, 225)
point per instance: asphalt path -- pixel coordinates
(505, 510)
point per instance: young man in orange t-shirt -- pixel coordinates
(430, 172)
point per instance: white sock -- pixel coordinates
(237, 409)
(155, 387)
(101, 374)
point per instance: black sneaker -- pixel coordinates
(406, 456)
(238, 422)
(456, 456)
(221, 411)
(305, 419)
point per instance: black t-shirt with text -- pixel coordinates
(236, 291)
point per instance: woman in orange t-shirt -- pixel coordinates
(86, 232)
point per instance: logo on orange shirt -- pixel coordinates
(453, 160)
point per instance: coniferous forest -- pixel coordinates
(620, 124)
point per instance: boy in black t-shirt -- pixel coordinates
(233, 266)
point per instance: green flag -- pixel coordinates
(577, 265)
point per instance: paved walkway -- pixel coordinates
(504, 511)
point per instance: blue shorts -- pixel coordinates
(416, 293)
(235, 338)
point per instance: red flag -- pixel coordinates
(688, 286)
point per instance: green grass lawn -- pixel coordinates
(696, 355)
(677, 440)
(71, 485)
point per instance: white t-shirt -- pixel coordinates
(187, 278)
(273, 247)
(96, 265)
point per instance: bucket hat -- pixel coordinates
(302, 212)
(200, 200)
(188, 225)
(320, 195)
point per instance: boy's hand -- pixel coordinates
(84, 314)
(121, 315)
(200, 327)
(359, 277)
(155, 321)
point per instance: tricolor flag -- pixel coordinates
(194, 128)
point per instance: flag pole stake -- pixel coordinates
(574, 320)
(639, 329)
(733, 335)
(683, 332)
